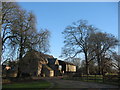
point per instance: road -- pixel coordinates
(60, 83)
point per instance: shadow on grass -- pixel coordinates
(31, 84)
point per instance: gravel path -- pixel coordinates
(59, 83)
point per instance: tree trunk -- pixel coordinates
(99, 65)
(102, 64)
(119, 76)
(98, 58)
(87, 64)
(20, 57)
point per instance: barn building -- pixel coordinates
(36, 63)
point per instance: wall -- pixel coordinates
(47, 71)
(70, 68)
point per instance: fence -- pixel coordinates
(108, 79)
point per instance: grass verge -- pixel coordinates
(32, 84)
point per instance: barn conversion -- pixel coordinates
(36, 63)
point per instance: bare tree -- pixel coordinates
(8, 15)
(76, 40)
(101, 44)
(41, 41)
(116, 62)
(22, 28)
(76, 61)
(19, 31)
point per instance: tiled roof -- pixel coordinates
(60, 61)
(51, 61)
(35, 55)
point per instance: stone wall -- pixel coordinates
(47, 71)
(70, 68)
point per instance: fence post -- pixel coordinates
(95, 77)
(87, 77)
(119, 78)
(103, 78)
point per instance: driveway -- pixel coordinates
(60, 83)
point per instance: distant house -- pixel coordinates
(9, 68)
(67, 67)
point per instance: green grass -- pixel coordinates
(32, 84)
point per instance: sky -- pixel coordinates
(55, 16)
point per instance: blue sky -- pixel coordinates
(55, 16)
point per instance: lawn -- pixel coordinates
(32, 84)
